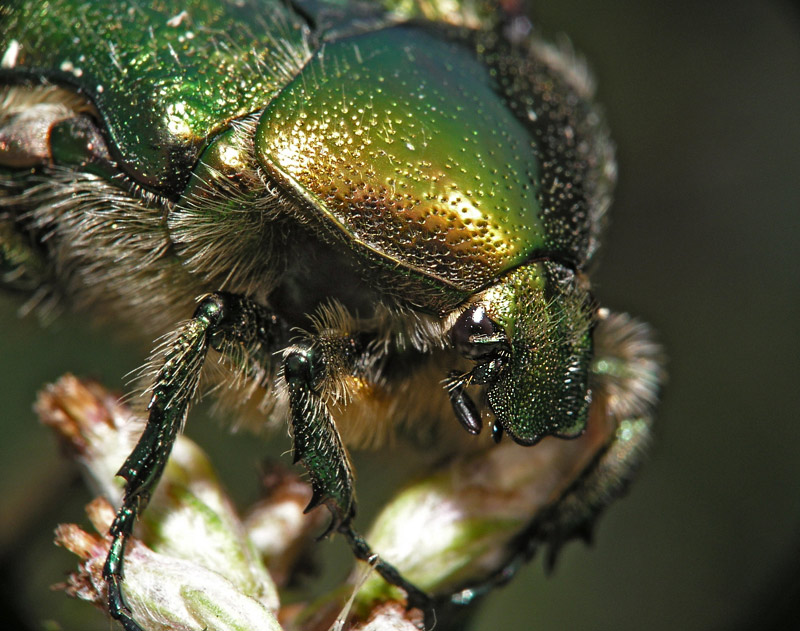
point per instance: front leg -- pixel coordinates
(242, 330)
(231, 324)
(317, 444)
(309, 365)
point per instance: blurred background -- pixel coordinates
(703, 99)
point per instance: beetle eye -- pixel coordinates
(476, 336)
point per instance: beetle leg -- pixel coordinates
(22, 267)
(318, 446)
(24, 145)
(416, 597)
(221, 321)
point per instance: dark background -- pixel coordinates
(703, 99)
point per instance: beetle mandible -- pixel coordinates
(419, 194)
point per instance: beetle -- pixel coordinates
(388, 212)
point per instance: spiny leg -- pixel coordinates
(233, 324)
(318, 446)
(222, 321)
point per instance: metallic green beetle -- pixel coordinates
(418, 190)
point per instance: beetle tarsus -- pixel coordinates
(416, 598)
(118, 609)
(112, 569)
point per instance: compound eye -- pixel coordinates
(476, 336)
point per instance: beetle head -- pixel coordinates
(531, 338)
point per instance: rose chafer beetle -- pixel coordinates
(387, 209)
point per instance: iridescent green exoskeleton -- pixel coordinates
(384, 207)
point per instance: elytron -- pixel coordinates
(372, 214)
